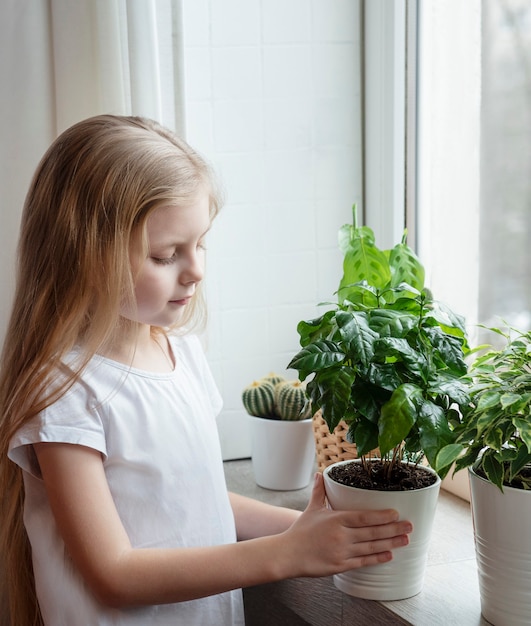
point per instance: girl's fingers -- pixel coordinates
(318, 497)
(375, 531)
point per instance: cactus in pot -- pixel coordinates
(291, 401)
(259, 399)
(274, 397)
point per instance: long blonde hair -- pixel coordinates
(92, 191)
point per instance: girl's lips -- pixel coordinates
(182, 301)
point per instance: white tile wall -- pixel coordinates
(273, 101)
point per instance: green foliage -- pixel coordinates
(387, 359)
(495, 433)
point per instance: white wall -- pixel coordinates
(273, 100)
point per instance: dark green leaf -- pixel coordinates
(365, 436)
(493, 469)
(357, 336)
(315, 357)
(522, 459)
(447, 350)
(318, 328)
(433, 429)
(400, 348)
(385, 375)
(390, 323)
(524, 429)
(329, 390)
(368, 400)
(449, 386)
(470, 457)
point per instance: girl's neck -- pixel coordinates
(141, 347)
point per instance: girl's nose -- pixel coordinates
(194, 269)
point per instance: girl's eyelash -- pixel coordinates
(171, 259)
(165, 261)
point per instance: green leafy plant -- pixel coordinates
(387, 358)
(495, 432)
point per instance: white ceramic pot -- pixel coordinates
(502, 531)
(402, 577)
(283, 453)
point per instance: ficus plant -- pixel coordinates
(386, 358)
(495, 432)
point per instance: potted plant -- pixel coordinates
(496, 437)
(388, 360)
(281, 432)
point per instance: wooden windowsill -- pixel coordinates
(450, 594)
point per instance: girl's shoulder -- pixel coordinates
(188, 348)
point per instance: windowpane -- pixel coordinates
(505, 225)
(473, 214)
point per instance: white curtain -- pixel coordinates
(63, 61)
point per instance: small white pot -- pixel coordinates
(402, 577)
(502, 532)
(283, 453)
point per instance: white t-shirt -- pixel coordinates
(160, 447)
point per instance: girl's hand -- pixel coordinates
(324, 542)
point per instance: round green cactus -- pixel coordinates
(291, 401)
(259, 399)
(273, 378)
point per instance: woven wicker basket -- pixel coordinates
(331, 447)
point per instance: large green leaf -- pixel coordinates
(358, 337)
(488, 400)
(406, 267)
(454, 388)
(315, 357)
(318, 328)
(363, 261)
(447, 455)
(446, 350)
(391, 323)
(451, 322)
(398, 417)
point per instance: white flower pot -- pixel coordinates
(502, 530)
(283, 453)
(402, 577)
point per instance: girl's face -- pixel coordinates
(166, 280)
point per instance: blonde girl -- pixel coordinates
(114, 508)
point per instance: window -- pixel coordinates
(473, 210)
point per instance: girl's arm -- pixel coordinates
(318, 543)
(258, 519)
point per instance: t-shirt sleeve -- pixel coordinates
(73, 419)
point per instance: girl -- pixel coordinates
(114, 505)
